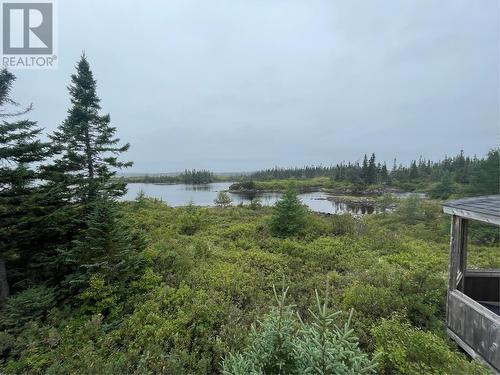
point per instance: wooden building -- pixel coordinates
(473, 300)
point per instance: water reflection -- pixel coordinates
(206, 187)
(204, 195)
(321, 202)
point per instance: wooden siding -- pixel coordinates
(476, 326)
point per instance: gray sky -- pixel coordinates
(238, 85)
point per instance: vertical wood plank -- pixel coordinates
(452, 263)
(462, 250)
(455, 241)
(492, 355)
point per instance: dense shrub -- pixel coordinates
(373, 302)
(410, 210)
(248, 185)
(191, 220)
(407, 350)
(444, 188)
(343, 224)
(483, 233)
(195, 297)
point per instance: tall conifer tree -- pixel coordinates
(88, 157)
(364, 170)
(21, 216)
(371, 171)
(87, 143)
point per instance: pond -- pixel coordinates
(203, 195)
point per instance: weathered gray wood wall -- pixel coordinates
(476, 326)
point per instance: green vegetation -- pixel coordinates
(195, 293)
(289, 216)
(93, 286)
(283, 345)
(459, 175)
(405, 349)
(20, 149)
(283, 184)
(193, 177)
(196, 177)
(223, 199)
(453, 176)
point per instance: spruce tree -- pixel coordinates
(289, 215)
(384, 174)
(271, 348)
(364, 170)
(82, 174)
(485, 179)
(321, 347)
(87, 143)
(107, 247)
(324, 348)
(371, 173)
(413, 170)
(21, 216)
(444, 188)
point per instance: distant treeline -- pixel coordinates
(481, 174)
(192, 176)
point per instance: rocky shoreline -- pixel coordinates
(371, 197)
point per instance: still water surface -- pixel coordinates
(204, 195)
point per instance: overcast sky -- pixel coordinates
(238, 85)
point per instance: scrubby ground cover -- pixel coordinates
(207, 275)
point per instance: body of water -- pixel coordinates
(204, 195)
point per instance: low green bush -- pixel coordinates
(283, 344)
(195, 296)
(404, 349)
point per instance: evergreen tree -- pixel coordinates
(21, 215)
(413, 170)
(82, 174)
(271, 344)
(320, 347)
(444, 188)
(485, 178)
(371, 171)
(289, 215)
(107, 247)
(460, 167)
(364, 170)
(196, 177)
(384, 174)
(223, 199)
(329, 349)
(87, 143)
